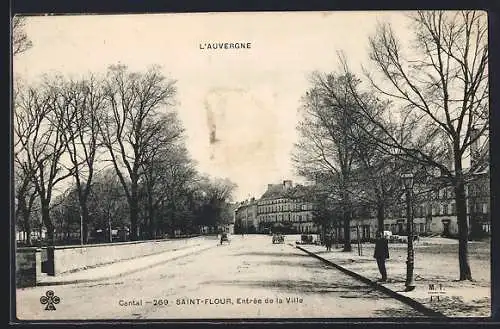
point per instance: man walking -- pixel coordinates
(381, 254)
(328, 242)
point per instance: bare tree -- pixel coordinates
(20, 40)
(40, 143)
(25, 193)
(167, 170)
(107, 202)
(442, 94)
(377, 177)
(132, 123)
(326, 145)
(217, 195)
(84, 102)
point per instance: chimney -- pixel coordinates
(287, 183)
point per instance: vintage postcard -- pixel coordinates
(251, 165)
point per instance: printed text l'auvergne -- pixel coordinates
(225, 45)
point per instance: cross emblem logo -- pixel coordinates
(50, 299)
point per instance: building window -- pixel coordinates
(422, 227)
(445, 209)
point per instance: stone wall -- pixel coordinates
(74, 258)
(28, 266)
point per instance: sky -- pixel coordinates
(250, 96)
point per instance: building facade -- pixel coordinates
(289, 208)
(245, 217)
(435, 212)
(285, 207)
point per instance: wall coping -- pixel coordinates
(28, 249)
(79, 246)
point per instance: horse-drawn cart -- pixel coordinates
(224, 238)
(278, 238)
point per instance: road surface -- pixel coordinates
(248, 278)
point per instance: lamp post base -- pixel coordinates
(409, 288)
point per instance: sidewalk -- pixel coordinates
(436, 262)
(124, 267)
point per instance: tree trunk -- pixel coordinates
(27, 227)
(47, 222)
(134, 209)
(380, 217)
(347, 230)
(151, 224)
(84, 213)
(85, 222)
(27, 224)
(347, 220)
(134, 214)
(463, 227)
(27, 217)
(22, 209)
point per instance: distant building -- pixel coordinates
(285, 206)
(246, 216)
(435, 211)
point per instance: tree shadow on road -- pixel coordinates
(313, 264)
(342, 289)
(270, 254)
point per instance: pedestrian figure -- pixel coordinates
(381, 254)
(328, 242)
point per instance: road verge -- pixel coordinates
(404, 299)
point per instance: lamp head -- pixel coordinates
(407, 180)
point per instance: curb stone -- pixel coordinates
(402, 298)
(103, 278)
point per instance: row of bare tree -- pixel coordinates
(67, 130)
(422, 108)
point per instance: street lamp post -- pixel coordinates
(408, 184)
